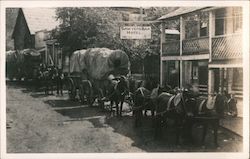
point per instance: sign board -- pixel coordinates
(135, 32)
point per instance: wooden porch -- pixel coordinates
(227, 47)
(189, 47)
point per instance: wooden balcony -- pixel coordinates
(227, 47)
(171, 48)
(195, 46)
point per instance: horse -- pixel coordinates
(146, 99)
(176, 107)
(208, 112)
(119, 89)
(141, 100)
(47, 76)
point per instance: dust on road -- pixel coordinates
(37, 123)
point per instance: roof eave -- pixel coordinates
(176, 16)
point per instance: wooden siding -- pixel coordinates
(195, 45)
(227, 47)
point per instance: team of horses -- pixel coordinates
(181, 106)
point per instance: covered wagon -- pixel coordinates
(91, 69)
(22, 63)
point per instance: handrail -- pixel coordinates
(227, 35)
(196, 38)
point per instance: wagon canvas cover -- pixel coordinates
(99, 62)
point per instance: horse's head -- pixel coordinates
(122, 85)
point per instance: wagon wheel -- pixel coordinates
(71, 89)
(86, 92)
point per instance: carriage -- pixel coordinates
(90, 73)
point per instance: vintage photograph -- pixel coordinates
(124, 79)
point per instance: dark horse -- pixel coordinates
(208, 112)
(144, 99)
(177, 108)
(119, 89)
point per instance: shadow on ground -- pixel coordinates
(142, 137)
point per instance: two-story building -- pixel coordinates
(208, 52)
(33, 30)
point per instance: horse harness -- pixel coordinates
(177, 98)
(143, 95)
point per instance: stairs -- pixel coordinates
(238, 91)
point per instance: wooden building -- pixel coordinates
(208, 52)
(33, 30)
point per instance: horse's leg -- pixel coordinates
(117, 108)
(111, 107)
(46, 88)
(205, 126)
(122, 101)
(188, 130)
(158, 127)
(152, 109)
(178, 129)
(61, 86)
(215, 127)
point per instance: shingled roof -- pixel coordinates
(180, 11)
(40, 19)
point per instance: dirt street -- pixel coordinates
(39, 123)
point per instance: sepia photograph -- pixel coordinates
(154, 79)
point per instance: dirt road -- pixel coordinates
(37, 123)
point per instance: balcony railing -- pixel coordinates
(171, 48)
(227, 47)
(195, 45)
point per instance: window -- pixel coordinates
(204, 24)
(237, 19)
(191, 26)
(196, 25)
(220, 22)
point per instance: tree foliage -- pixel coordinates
(86, 28)
(83, 28)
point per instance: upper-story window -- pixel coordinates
(228, 20)
(237, 19)
(220, 22)
(204, 20)
(196, 25)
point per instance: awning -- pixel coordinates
(226, 64)
(236, 65)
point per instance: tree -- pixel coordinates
(83, 28)
(86, 28)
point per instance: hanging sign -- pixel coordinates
(135, 32)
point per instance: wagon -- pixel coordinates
(22, 63)
(90, 70)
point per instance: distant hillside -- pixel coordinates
(11, 15)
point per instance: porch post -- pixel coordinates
(46, 54)
(161, 51)
(182, 36)
(210, 71)
(210, 81)
(221, 89)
